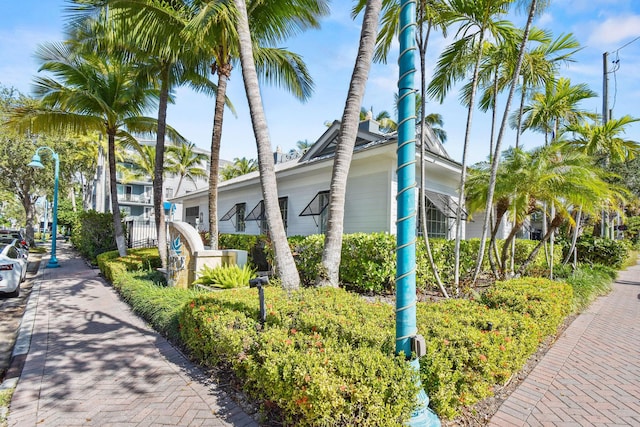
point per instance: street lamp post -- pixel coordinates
(36, 163)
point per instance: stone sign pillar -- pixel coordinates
(187, 255)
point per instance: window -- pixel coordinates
(318, 207)
(437, 224)
(237, 216)
(240, 212)
(168, 193)
(258, 214)
(147, 212)
(191, 214)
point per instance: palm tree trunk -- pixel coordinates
(422, 48)
(535, 250)
(463, 174)
(496, 157)
(113, 188)
(214, 167)
(285, 264)
(494, 112)
(328, 274)
(158, 169)
(521, 109)
(574, 238)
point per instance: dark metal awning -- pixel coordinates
(257, 213)
(230, 214)
(444, 204)
(317, 205)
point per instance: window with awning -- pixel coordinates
(317, 207)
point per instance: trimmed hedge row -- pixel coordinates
(369, 259)
(316, 353)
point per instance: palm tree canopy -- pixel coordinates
(604, 140)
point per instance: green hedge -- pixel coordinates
(596, 250)
(318, 342)
(369, 260)
(93, 234)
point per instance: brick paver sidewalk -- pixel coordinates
(94, 363)
(591, 375)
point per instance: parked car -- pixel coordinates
(6, 240)
(16, 234)
(13, 268)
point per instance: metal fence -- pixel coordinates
(141, 233)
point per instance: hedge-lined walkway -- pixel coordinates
(93, 362)
(591, 375)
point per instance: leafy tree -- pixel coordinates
(91, 93)
(183, 160)
(151, 33)
(238, 168)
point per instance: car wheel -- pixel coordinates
(15, 293)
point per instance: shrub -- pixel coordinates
(306, 361)
(470, 347)
(225, 277)
(94, 234)
(545, 301)
(596, 250)
(588, 282)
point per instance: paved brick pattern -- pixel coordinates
(591, 375)
(94, 363)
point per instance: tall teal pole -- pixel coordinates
(406, 329)
(37, 163)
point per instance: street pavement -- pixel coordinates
(591, 375)
(82, 357)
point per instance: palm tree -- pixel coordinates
(214, 28)
(153, 34)
(568, 179)
(92, 93)
(495, 159)
(303, 146)
(556, 107)
(239, 167)
(285, 264)
(328, 274)
(477, 20)
(183, 160)
(604, 140)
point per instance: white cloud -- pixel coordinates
(615, 30)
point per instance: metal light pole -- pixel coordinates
(407, 338)
(36, 163)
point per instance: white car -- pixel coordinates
(13, 268)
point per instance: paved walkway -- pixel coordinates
(92, 362)
(591, 375)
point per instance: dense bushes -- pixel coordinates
(325, 356)
(596, 250)
(369, 259)
(93, 234)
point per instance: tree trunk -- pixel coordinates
(495, 161)
(214, 166)
(520, 110)
(285, 264)
(463, 174)
(331, 255)
(422, 49)
(113, 188)
(158, 209)
(494, 112)
(554, 225)
(574, 238)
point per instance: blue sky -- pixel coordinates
(600, 26)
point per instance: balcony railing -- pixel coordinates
(135, 198)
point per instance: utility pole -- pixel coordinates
(604, 221)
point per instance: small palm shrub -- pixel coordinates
(225, 277)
